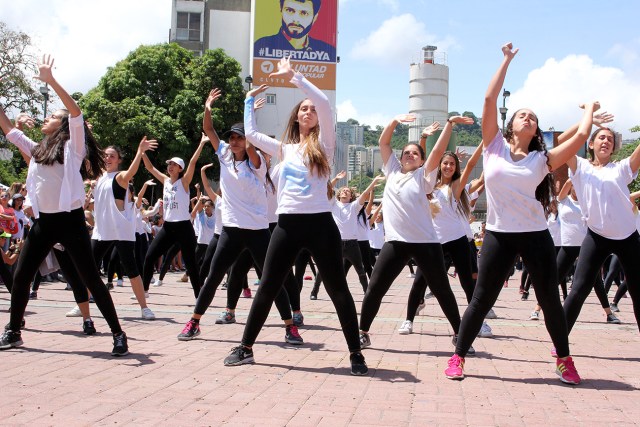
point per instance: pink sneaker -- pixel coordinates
(455, 369)
(246, 293)
(553, 352)
(566, 370)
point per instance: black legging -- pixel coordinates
(124, 248)
(594, 250)
(622, 289)
(319, 234)
(351, 255)
(393, 257)
(459, 252)
(499, 251)
(141, 247)
(7, 277)
(205, 265)
(613, 274)
(303, 258)
(68, 229)
(368, 258)
(114, 267)
(180, 232)
(231, 244)
(167, 260)
(565, 257)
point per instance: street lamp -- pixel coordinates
(44, 90)
(503, 109)
(248, 80)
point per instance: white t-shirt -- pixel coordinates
(405, 207)
(204, 226)
(604, 197)
(345, 216)
(111, 223)
(573, 227)
(272, 194)
(175, 201)
(376, 235)
(555, 228)
(243, 191)
(299, 190)
(511, 186)
(363, 226)
(447, 221)
(217, 213)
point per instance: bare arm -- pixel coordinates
(124, 177)
(207, 123)
(337, 178)
(564, 191)
(443, 140)
(489, 110)
(599, 119)
(369, 207)
(45, 75)
(196, 208)
(191, 167)
(369, 189)
(427, 132)
(565, 153)
(634, 196)
(385, 138)
(205, 182)
(152, 169)
(142, 191)
(466, 173)
(375, 215)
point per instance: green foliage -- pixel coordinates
(159, 91)
(625, 151)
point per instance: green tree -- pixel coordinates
(625, 151)
(159, 91)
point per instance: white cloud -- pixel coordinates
(86, 37)
(397, 41)
(555, 90)
(346, 111)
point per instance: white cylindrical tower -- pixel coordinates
(428, 90)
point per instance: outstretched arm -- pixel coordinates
(565, 153)
(375, 215)
(426, 133)
(207, 123)
(142, 191)
(466, 173)
(489, 110)
(188, 173)
(564, 191)
(205, 182)
(385, 137)
(365, 194)
(337, 178)
(152, 169)
(599, 119)
(124, 177)
(443, 140)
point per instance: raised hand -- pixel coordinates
(462, 155)
(45, 66)
(207, 166)
(204, 138)
(405, 118)
(150, 182)
(23, 120)
(508, 51)
(599, 119)
(257, 91)
(213, 95)
(284, 68)
(260, 102)
(341, 175)
(430, 130)
(147, 144)
(461, 120)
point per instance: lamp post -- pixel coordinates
(44, 90)
(503, 109)
(248, 80)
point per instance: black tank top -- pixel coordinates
(119, 193)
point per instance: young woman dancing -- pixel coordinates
(304, 213)
(408, 226)
(519, 190)
(56, 191)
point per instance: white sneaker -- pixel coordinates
(119, 283)
(146, 296)
(74, 312)
(147, 314)
(421, 307)
(428, 295)
(157, 283)
(535, 315)
(491, 314)
(411, 276)
(406, 328)
(485, 331)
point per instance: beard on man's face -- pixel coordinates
(297, 34)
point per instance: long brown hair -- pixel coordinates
(313, 154)
(51, 149)
(463, 205)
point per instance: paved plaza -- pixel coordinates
(62, 377)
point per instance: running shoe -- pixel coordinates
(313, 296)
(158, 282)
(74, 312)
(109, 285)
(119, 283)
(554, 353)
(120, 347)
(292, 336)
(421, 307)
(365, 341)
(88, 328)
(406, 328)
(525, 296)
(566, 370)
(190, 331)
(7, 327)
(146, 295)
(239, 355)
(246, 293)
(485, 331)
(535, 315)
(298, 319)
(491, 314)
(455, 370)
(611, 318)
(147, 314)
(358, 365)
(10, 339)
(226, 317)
(428, 295)
(184, 278)
(224, 286)
(614, 308)
(33, 295)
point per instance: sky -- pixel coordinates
(571, 51)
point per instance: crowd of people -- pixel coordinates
(277, 210)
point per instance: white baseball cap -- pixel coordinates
(177, 160)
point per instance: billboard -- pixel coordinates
(305, 30)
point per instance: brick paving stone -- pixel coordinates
(63, 377)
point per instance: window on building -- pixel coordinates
(271, 98)
(188, 26)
